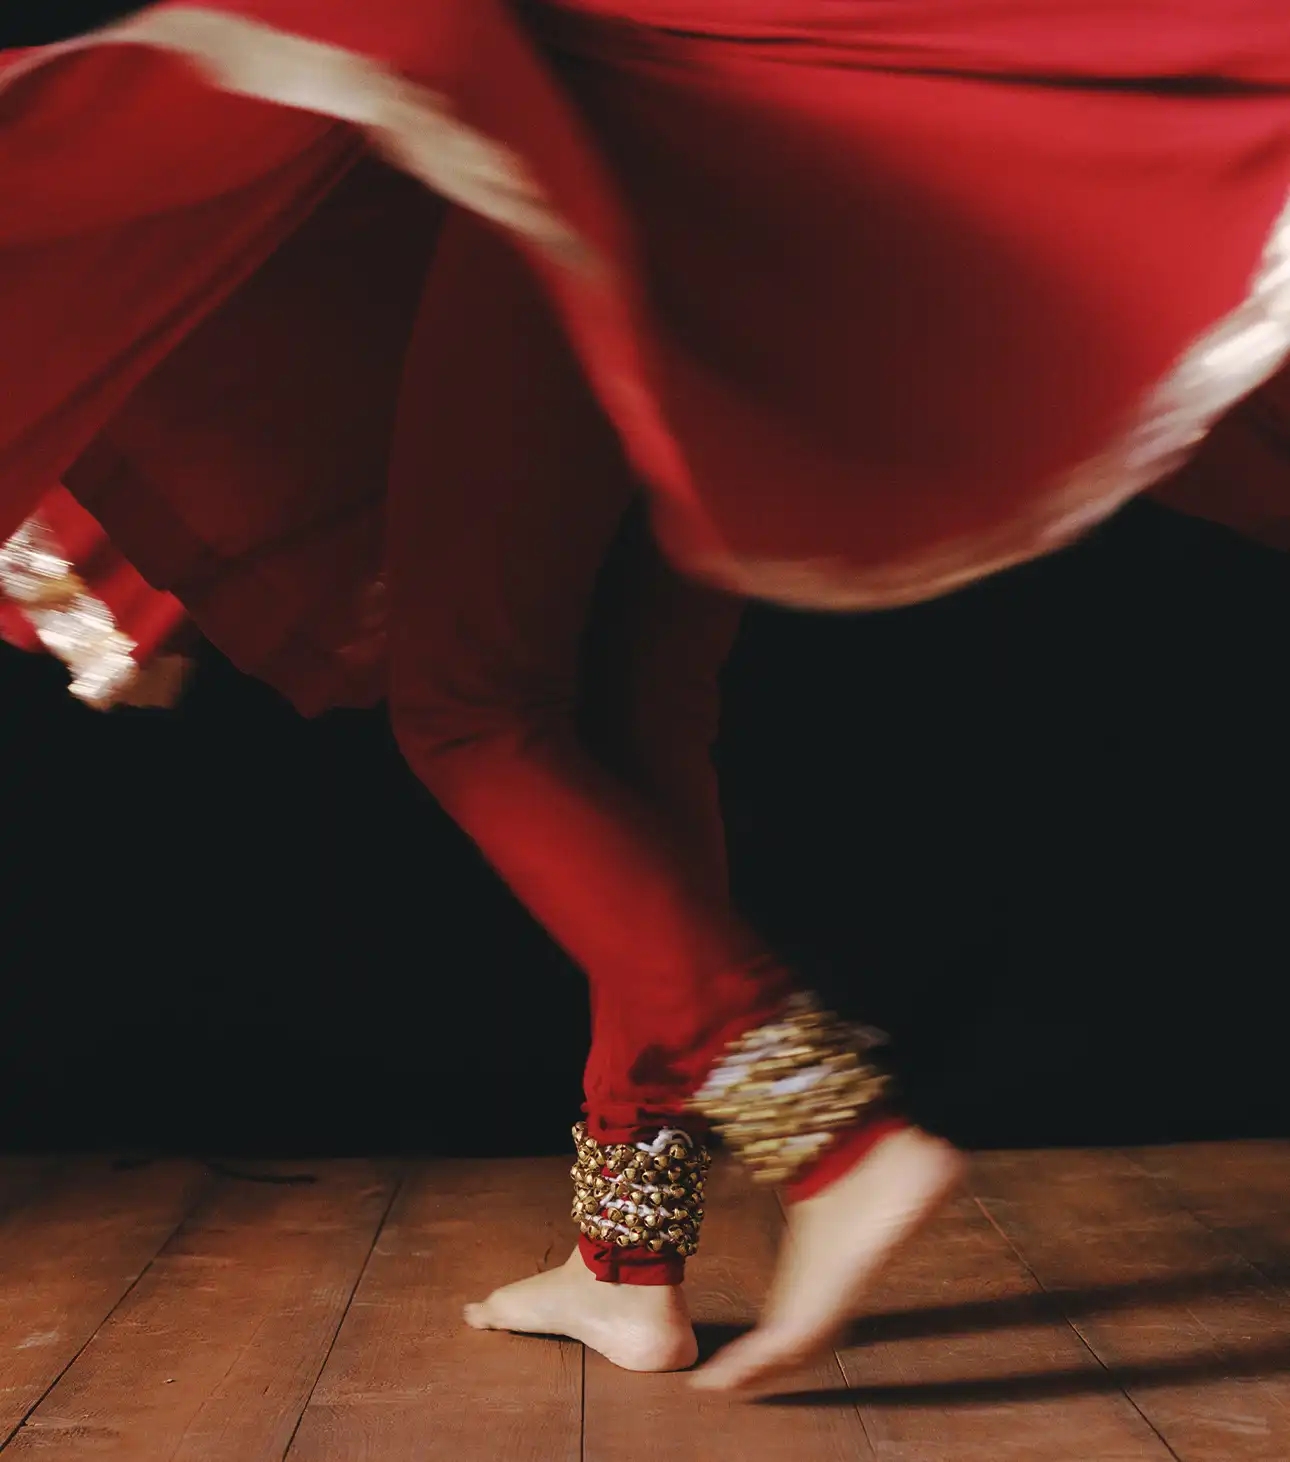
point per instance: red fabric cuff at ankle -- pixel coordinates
(845, 1152)
(612, 1265)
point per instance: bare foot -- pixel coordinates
(836, 1242)
(639, 1327)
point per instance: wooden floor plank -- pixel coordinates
(1074, 1307)
(960, 1359)
(406, 1379)
(73, 1238)
(1198, 1338)
(1238, 1190)
(633, 1418)
(214, 1352)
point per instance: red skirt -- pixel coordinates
(878, 298)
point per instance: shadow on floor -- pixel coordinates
(1271, 1357)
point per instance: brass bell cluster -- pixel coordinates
(636, 1197)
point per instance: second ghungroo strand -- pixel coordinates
(782, 1091)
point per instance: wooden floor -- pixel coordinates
(1070, 1307)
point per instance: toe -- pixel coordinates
(477, 1317)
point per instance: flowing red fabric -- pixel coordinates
(134, 201)
(866, 281)
(225, 408)
(910, 264)
(247, 474)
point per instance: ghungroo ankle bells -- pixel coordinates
(783, 1090)
(640, 1195)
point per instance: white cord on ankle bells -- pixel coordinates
(628, 1206)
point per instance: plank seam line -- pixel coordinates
(1074, 1328)
(395, 1189)
(1178, 1197)
(200, 1195)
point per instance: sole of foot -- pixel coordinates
(636, 1327)
(836, 1243)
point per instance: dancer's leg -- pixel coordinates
(648, 705)
(507, 493)
(501, 526)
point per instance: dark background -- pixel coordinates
(38, 22)
(1036, 830)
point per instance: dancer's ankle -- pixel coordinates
(639, 1206)
(845, 1153)
(795, 1098)
(612, 1265)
